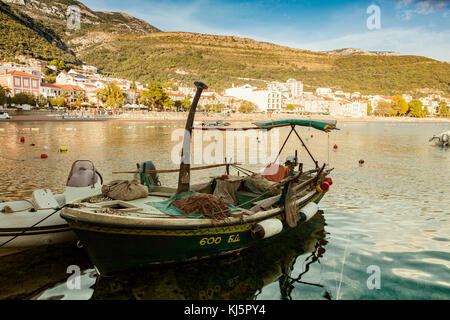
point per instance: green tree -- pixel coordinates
(443, 109)
(416, 108)
(41, 100)
(58, 102)
(49, 79)
(24, 98)
(155, 97)
(4, 93)
(290, 107)
(183, 105)
(247, 107)
(383, 108)
(111, 96)
(399, 105)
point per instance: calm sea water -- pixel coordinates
(383, 233)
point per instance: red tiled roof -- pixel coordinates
(20, 73)
(174, 94)
(66, 87)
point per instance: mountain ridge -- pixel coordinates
(128, 47)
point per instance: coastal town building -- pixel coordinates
(267, 99)
(24, 75)
(19, 81)
(70, 92)
(324, 91)
(14, 66)
(90, 68)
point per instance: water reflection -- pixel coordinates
(392, 212)
(239, 277)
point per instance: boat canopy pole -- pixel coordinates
(185, 164)
(307, 150)
(284, 143)
(304, 146)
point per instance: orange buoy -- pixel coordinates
(44, 156)
(385, 130)
(348, 132)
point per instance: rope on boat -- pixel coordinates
(28, 229)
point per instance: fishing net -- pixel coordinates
(207, 205)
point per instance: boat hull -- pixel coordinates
(113, 248)
(17, 228)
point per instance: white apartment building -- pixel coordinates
(266, 99)
(90, 68)
(295, 88)
(348, 108)
(73, 79)
(12, 66)
(324, 91)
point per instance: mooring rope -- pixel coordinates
(28, 229)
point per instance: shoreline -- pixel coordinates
(162, 117)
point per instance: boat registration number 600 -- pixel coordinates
(217, 240)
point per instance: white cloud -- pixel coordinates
(416, 41)
(410, 8)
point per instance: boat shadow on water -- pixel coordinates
(238, 277)
(42, 273)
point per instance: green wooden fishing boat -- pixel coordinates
(119, 235)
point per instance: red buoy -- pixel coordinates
(361, 161)
(329, 180)
(335, 146)
(44, 156)
(325, 186)
(22, 139)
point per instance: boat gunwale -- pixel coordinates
(79, 215)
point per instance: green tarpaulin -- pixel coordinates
(324, 125)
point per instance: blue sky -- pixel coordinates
(417, 27)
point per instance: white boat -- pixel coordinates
(442, 139)
(36, 221)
